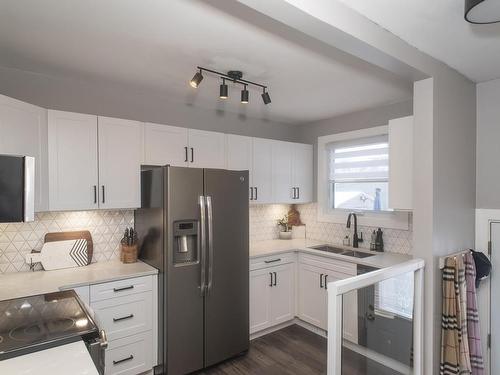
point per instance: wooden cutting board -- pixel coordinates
(63, 236)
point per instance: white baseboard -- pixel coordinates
(297, 321)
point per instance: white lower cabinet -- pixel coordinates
(129, 355)
(272, 296)
(312, 303)
(127, 310)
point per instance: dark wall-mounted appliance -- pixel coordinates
(17, 188)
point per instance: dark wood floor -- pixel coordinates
(293, 350)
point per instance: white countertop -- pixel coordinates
(274, 247)
(21, 284)
(71, 358)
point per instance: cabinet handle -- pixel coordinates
(186, 153)
(95, 194)
(103, 195)
(271, 274)
(275, 279)
(129, 358)
(273, 260)
(256, 195)
(321, 281)
(298, 193)
(122, 289)
(251, 193)
(192, 155)
(294, 193)
(326, 278)
(123, 318)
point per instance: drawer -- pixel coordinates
(124, 316)
(130, 356)
(341, 266)
(99, 292)
(272, 260)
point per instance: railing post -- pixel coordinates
(334, 358)
(418, 323)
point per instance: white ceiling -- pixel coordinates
(156, 45)
(438, 28)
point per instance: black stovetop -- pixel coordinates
(38, 322)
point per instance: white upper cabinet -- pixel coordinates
(23, 131)
(282, 172)
(206, 149)
(238, 152)
(401, 163)
(165, 144)
(302, 173)
(120, 156)
(73, 173)
(262, 171)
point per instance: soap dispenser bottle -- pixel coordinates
(379, 240)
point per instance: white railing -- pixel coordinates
(336, 289)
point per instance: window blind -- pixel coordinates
(365, 159)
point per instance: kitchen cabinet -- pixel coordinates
(401, 163)
(302, 173)
(272, 296)
(23, 131)
(73, 172)
(239, 156)
(262, 171)
(120, 155)
(282, 171)
(165, 144)
(206, 149)
(312, 303)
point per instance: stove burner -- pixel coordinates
(36, 331)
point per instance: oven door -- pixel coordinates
(97, 348)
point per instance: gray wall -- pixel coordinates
(106, 99)
(444, 200)
(488, 150)
(309, 133)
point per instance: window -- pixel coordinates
(358, 173)
(395, 296)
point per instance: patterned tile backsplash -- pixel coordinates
(395, 240)
(106, 227)
(263, 227)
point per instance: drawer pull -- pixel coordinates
(123, 318)
(124, 288)
(129, 358)
(272, 261)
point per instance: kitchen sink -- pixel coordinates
(340, 251)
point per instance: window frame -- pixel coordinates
(384, 219)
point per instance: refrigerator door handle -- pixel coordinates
(202, 244)
(210, 217)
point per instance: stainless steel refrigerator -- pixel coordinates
(193, 227)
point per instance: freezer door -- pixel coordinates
(227, 294)
(183, 296)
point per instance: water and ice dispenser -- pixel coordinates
(186, 242)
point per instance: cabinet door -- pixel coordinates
(165, 144)
(282, 172)
(206, 149)
(120, 155)
(23, 131)
(312, 297)
(73, 177)
(262, 170)
(302, 172)
(401, 163)
(283, 294)
(350, 323)
(260, 311)
(238, 152)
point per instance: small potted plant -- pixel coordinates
(285, 228)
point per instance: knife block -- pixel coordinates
(128, 254)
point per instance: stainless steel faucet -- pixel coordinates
(355, 239)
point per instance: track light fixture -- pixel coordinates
(197, 78)
(244, 95)
(236, 77)
(223, 90)
(265, 97)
